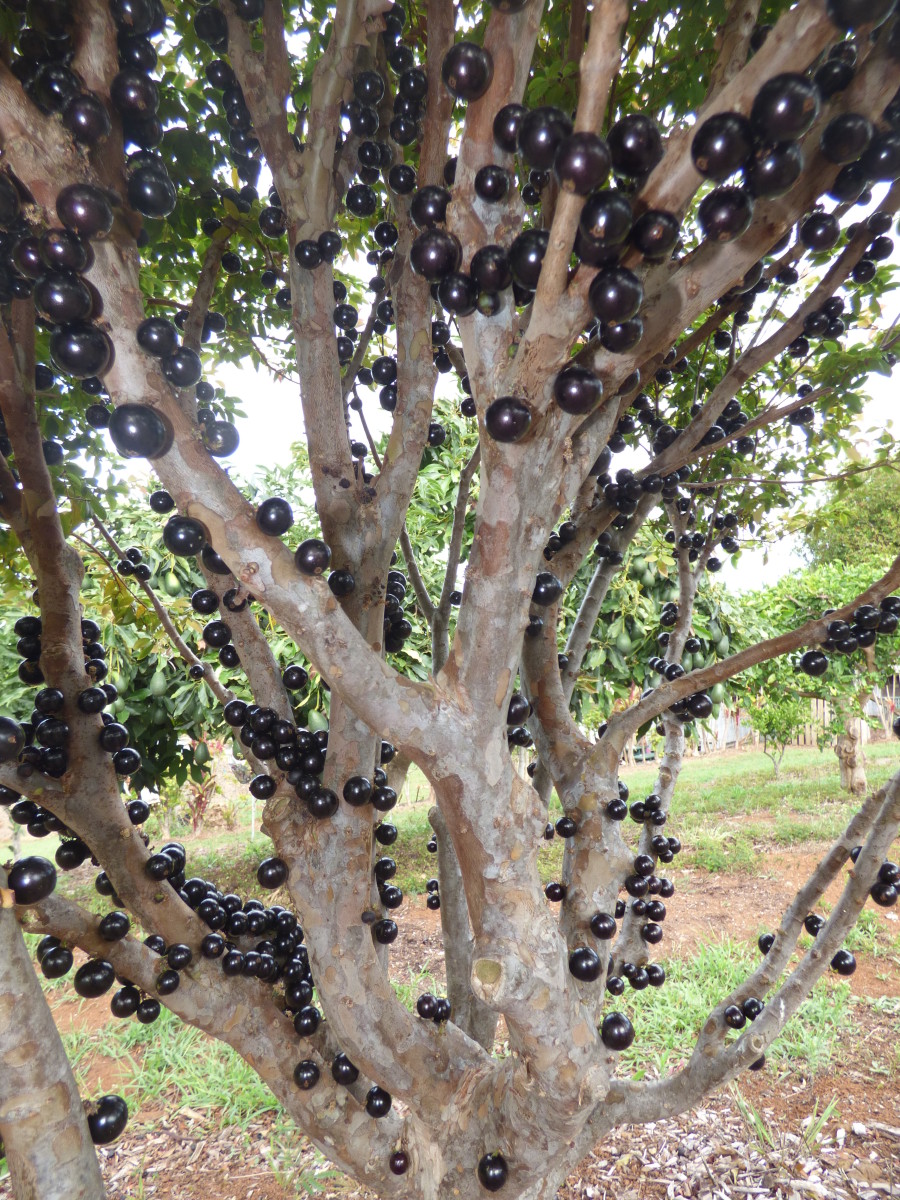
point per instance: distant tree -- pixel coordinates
(859, 521)
(778, 719)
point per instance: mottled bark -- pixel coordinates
(469, 1013)
(43, 1125)
(850, 755)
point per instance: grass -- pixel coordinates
(172, 1063)
(740, 784)
(728, 812)
(173, 1060)
(667, 1020)
(719, 849)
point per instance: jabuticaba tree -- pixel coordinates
(633, 226)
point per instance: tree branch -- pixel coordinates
(43, 1125)
(206, 286)
(623, 725)
(714, 1063)
(440, 640)
(734, 44)
(439, 22)
(796, 39)
(306, 192)
(599, 64)
(221, 694)
(415, 575)
(468, 1012)
(264, 1036)
(629, 946)
(11, 512)
(58, 568)
(677, 293)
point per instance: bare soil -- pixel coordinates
(171, 1153)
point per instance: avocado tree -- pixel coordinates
(631, 228)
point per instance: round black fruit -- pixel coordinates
(85, 210)
(161, 502)
(577, 390)
(492, 183)
(814, 663)
(655, 234)
(849, 14)
(820, 232)
(539, 134)
(547, 589)
(507, 419)
(94, 978)
(125, 1002)
(526, 254)
(606, 219)
(725, 213)
(306, 1074)
(274, 516)
(114, 926)
(312, 557)
(378, 1102)
(784, 108)
(616, 1032)
(581, 163)
(184, 536)
(343, 1071)
(12, 739)
(467, 71)
(151, 192)
(635, 144)
(490, 269)
(271, 873)
(773, 170)
(434, 254)
(493, 1172)
(722, 144)
(585, 964)
(843, 963)
(158, 336)
(139, 431)
(506, 126)
(183, 368)
(603, 926)
(846, 137)
(62, 297)
(32, 879)
(86, 118)
(615, 295)
(106, 1119)
(81, 350)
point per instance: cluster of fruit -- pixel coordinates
(885, 891)
(843, 637)
(44, 737)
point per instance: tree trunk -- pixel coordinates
(469, 1013)
(42, 1121)
(10, 834)
(848, 749)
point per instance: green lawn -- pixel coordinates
(728, 811)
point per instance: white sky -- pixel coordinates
(275, 420)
